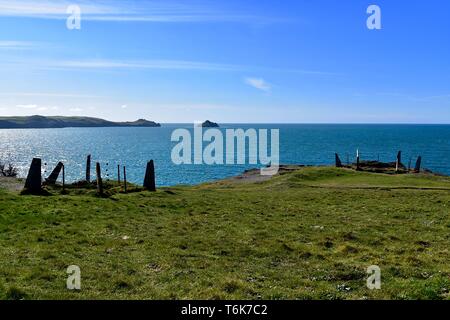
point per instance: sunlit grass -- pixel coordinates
(309, 234)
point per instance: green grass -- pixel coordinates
(309, 234)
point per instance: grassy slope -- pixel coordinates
(302, 235)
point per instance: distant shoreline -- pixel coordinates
(62, 122)
(41, 122)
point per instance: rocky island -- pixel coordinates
(41, 122)
(209, 124)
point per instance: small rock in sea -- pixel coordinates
(209, 124)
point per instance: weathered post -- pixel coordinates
(63, 178)
(398, 161)
(51, 180)
(34, 179)
(99, 179)
(338, 161)
(418, 164)
(149, 180)
(118, 174)
(357, 159)
(125, 179)
(88, 168)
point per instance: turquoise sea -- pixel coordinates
(312, 144)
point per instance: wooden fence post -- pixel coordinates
(357, 159)
(398, 161)
(418, 164)
(118, 173)
(34, 178)
(63, 178)
(125, 179)
(88, 168)
(338, 161)
(149, 180)
(51, 180)
(99, 179)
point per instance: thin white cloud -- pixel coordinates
(16, 44)
(47, 94)
(130, 10)
(36, 107)
(155, 64)
(27, 106)
(114, 64)
(258, 83)
(75, 109)
(51, 8)
(124, 106)
(412, 97)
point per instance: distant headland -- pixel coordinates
(41, 122)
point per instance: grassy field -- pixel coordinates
(307, 234)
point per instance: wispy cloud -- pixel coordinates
(156, 64)
(27, 106)
(415, 98)
(47, 95)
(36, 107)
(258, 83)
(75, 109)
(117, 64)
(130, 10)
(16, 45)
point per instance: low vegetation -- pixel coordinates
(309, 233)
(8, 170)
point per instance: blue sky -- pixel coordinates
(227, 61)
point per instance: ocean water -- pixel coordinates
(312, 144)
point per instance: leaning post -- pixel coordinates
(51, 180)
